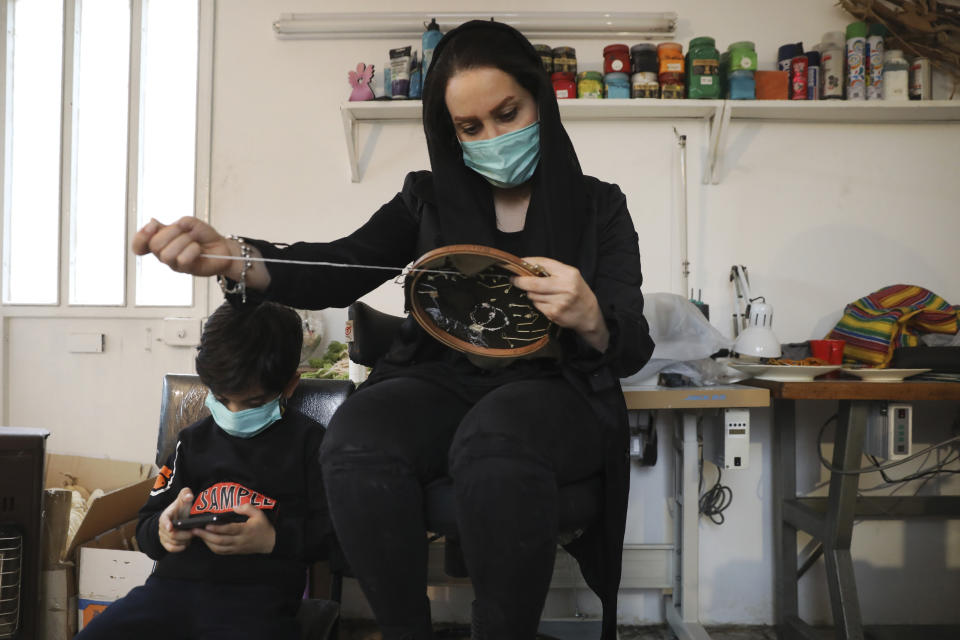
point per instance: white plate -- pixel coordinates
(783, 372)
(883, 375)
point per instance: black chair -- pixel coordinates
(183, 404)
(371, 333)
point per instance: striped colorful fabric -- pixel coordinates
(895, 316)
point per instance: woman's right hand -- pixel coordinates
(180, 245)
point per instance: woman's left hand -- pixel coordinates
(566, 299)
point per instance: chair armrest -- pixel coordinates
(373, 333)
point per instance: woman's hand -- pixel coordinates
(175, 540)
(567, 300)
(256, 535)
(180, 245)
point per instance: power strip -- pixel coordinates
(889, 430)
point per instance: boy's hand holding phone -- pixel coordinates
(256, 535)
(174, 540)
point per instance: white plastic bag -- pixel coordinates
(684, 340)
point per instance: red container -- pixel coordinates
(564, 85)
(616, 58)
(798, 78)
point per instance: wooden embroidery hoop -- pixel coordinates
(479, 275)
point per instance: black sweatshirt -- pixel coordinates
(277, 470)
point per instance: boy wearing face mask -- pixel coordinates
(253, 457)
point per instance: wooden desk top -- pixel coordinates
(859, 390)
(718, 397)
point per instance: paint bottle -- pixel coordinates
(671, 76)
(429, 41)
(813, 75)
(399, 73)
(831, 66)
(856, 63)
(785, 55)
(921, 87)
(616, 85)
(703, 69)
(564, 85)
(416, 78)
(589, 84)
(874, 60)
(644, 82)
(798, 78)
(896, 76)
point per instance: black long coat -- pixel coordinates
(407, 227)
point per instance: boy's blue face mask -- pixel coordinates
(246, 423)
(507, 160)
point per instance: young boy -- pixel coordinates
(251, 457)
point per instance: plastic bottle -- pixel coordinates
(856, 64)
(874, 59)
(896, 76)
(831, 66)
(430, 39)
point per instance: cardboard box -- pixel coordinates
(108, 569)
(772, 85)
(126, 486)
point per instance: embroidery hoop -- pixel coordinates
(461, 295)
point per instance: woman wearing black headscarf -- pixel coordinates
(504, 174)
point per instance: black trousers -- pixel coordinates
(506, 454)
(169, 609)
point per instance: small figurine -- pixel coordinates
(360, 81)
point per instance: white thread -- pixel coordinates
(336, 264)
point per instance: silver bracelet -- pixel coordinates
(240, 287)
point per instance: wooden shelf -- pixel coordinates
(845, 111)
(717, 113)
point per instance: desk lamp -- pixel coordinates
(758, 339)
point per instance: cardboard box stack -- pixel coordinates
(99, 551)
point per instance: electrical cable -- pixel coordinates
(875, 469)
(716, 499)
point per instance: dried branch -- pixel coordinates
(922, 28)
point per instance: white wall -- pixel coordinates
(821, 215)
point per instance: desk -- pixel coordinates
(683, 605)
(830, 519)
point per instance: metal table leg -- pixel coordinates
(683, 607)
(842, 502)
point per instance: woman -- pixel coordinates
(504, 174)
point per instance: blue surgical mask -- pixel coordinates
(246, 423)
(507, 160)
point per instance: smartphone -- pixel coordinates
(202, 520)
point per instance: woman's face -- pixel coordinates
(486, 102)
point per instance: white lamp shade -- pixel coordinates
(757, 342)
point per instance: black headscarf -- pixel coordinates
(464, 198)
